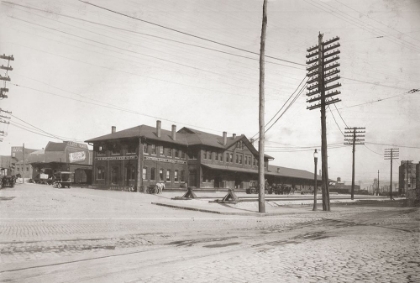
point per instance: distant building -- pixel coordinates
(19, 161)
(65, 156)
(5, 165)
(407, 176)
(340, 187)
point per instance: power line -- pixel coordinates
(335, 120)
(406, 146)
(339, 115)
(185, 33)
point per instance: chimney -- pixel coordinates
(224, 138)
(158, 123)
(234, 136)
(173, 132)
(252, 141)
(113, 129)
(338, 179)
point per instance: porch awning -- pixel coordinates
(229, 168)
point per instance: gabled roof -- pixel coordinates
(196, 137)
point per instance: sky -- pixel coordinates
(82, 67)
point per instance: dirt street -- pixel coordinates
(85, 235)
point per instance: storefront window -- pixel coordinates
(100, 175)
(152, 174)
(131, 172)
(115, 175)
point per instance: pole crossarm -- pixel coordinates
(9, 58)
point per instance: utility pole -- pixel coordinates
(23, 162)
(354, 136)
(320, 78)
(261, 179)
(378, 183)
(4, 89)
(391, 154)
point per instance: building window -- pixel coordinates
(131, 172)
(160, 174)
(176, 175)
(115, 175)
(27, 168)
(153, 149)
(192, 155)
(182, 154)
(152, 174)
(255, 161)
(227, 157)
(204, 154)
(216, 157)
(240, 159)
(161, 150)
(168, 175)
(144, 173)
(246, 160)
(176, 152)
(182, 176)
(237, 158)
(116, 149)
(131, 148)
(249, 160)
(239, 145)
(146, 148)
(100, 173)
(100, 149)
(231, 158)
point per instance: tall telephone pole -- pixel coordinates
(391, 154)
(354, 136)
(322, 70)
(378, 183)
(4, 89)
(261, 179)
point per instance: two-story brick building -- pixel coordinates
(137, 157)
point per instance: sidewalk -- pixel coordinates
(246, 204)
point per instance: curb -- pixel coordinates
(217, 212)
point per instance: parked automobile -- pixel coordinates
(63, 179)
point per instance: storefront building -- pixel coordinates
(135, 158)
(65, 156)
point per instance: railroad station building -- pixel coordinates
(135, 158)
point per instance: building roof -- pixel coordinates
(290, 172)
(185, 136)
(55, 146)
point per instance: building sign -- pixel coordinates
(165, 160)
(77, 156)
(17, 149)
(75, 144)
(117, 157)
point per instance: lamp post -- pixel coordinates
(315, 178)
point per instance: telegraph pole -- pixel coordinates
(378, 183)
(391, 154)
(320, 80)
(354, 136)
(4, 88)
(261, 179)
